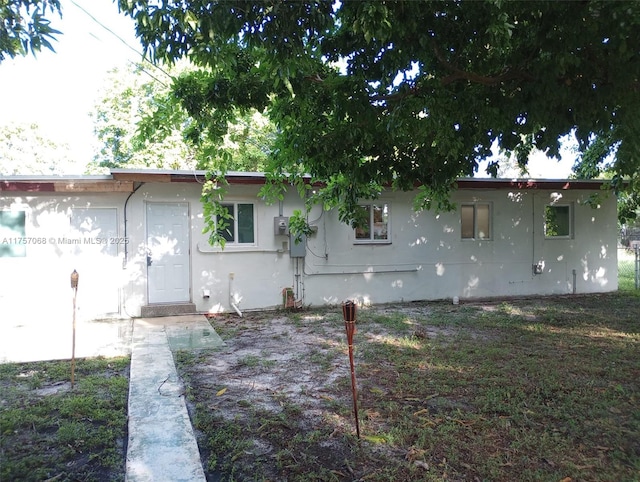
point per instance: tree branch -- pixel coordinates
(459, 74)
(455, 75)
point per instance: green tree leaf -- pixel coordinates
(26, 27)
(401, 94)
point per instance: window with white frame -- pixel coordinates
(475, 220)
(239, 224)
(12, 234)
(558, 221)
(374, 226)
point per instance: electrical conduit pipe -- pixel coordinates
(231, 300)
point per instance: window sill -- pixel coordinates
(372, 242)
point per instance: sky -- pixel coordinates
(58, 90)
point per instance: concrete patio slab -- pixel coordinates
(50, 338)
(186, 332)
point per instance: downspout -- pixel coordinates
(125, 260)
(533, 231)
(126, 244)
(231, 300)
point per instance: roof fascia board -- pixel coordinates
(66, 186)
(124, 180)
(527, 184)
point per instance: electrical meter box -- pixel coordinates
(299, 249)
(281, 226)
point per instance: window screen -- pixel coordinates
(12, 234)
(239, 227)
(557, 221)
(475, 221)
(374, 222)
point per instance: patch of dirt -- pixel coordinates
(268, 357)
(286, 376)
(58, 387)
(444, 392)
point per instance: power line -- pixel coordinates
(142, 56)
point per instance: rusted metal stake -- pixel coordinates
(349, 313)
(350, 327)
(74, 286)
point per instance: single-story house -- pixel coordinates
(135, 238)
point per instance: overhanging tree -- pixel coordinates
(26, 26)
(140, 124)
(367, 94)
(129, 97)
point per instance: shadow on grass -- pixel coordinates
(524, 390)
(49, 431)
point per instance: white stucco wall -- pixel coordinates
(57, 242)
(259, 272)
(426, 258)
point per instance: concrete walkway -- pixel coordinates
(162, 446)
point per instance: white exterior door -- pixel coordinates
(168, 271)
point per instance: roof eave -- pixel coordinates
(526, 184)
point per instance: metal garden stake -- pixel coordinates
(74, 286)
(349, 314)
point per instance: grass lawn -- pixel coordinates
(626, 270)
(49, 431)
(526, 390)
